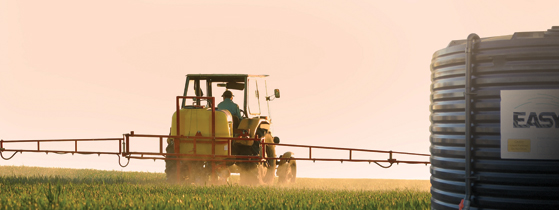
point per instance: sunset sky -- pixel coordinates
(351, 73)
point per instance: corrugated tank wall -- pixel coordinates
(522, 61)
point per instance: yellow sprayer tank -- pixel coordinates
(200, 120)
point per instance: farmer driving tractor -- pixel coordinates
(232, 107)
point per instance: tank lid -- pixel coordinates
(484, 39)
(553, 31)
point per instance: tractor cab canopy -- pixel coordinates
(249, 91)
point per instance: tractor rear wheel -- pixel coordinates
(199, 172)
(171, 167)
(250, 173)
(270, 169)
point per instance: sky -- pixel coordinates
(351, 73)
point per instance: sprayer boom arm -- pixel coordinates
(125, 142)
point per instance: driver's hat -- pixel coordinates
(227, 94)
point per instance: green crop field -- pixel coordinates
(51, 188)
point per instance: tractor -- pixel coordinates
(206, 144)
(195, 118)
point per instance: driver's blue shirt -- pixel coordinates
(228, 104)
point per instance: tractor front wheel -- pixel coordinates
(287, 169)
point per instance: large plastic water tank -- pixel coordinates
(522, 61)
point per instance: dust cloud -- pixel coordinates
(346, 184)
